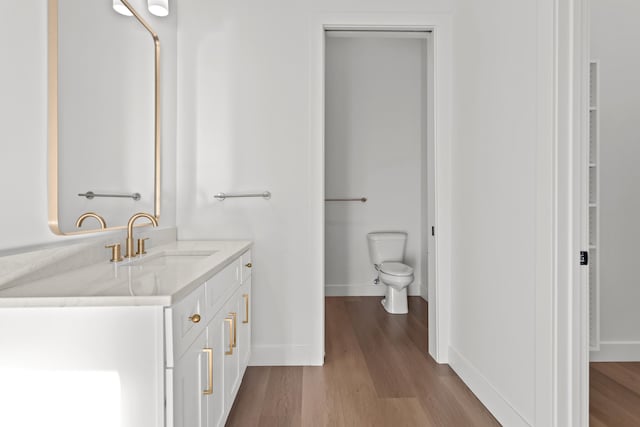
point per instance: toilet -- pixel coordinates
(386, 251)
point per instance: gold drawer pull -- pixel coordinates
(195, 318)
(230, 322)
(235, 328)
(246, 308)
(248, 265)
(209, 352)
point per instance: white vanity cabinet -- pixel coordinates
(161, 341)
(212, 353)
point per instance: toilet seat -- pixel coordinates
(396, 269)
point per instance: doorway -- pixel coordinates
(377, 140)
(391, 161)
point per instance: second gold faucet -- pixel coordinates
(129, 247)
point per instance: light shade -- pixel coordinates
(121, 9)
(158, 7)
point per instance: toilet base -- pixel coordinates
(395, 302)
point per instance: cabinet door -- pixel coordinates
(215, 401)
(190, 381)
(188, 321)
(231, 356)
(244, 325)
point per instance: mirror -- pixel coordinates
(104, 122)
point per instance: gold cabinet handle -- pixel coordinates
(230, 322)
(195, 318)
(246, 308)
(235, 328)
(209, 352)
(248, 265)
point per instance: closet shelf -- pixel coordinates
(593, 207)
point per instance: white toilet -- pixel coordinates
(386, 250)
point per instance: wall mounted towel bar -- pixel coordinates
(361, 199)
(90, 195)
(221, 196)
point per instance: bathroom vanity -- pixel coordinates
(161, 340)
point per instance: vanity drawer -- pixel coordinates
(188, 320)
(247, 265)
(221, 286)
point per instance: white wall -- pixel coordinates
(23, 125)
(496, 140)
(246, 84)
(373, 148)
(614, 39)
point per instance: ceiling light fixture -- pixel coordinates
(158, 7)
(121, 8)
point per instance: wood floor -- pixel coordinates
(376, 373)
(614, 394)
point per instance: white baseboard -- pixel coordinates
(368, 290)
(500, 407)
(617, 351)
(285, 355)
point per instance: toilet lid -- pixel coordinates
(396, 269)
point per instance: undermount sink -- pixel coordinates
(166, 259)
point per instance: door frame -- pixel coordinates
(440, 27)
(571, 311)
(580, 235)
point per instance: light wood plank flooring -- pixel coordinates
(376, 373)
(614, 394)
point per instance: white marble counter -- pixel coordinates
(162, 277)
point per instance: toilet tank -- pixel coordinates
(386, 246)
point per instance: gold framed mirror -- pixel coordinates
(103, 133)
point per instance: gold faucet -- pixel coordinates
(80, 220)
(154, 221)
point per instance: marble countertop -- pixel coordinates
(162, 277)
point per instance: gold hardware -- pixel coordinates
(116, 254)
(129, 253)
(246, 308)
(230, 322)
(141, 250)
(235, 328)
(195, 318)
(209, 352)
(53, 117)
(248, 265)
(80, 220)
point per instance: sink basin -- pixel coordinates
(167, 259)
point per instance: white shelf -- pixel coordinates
(592, 199)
